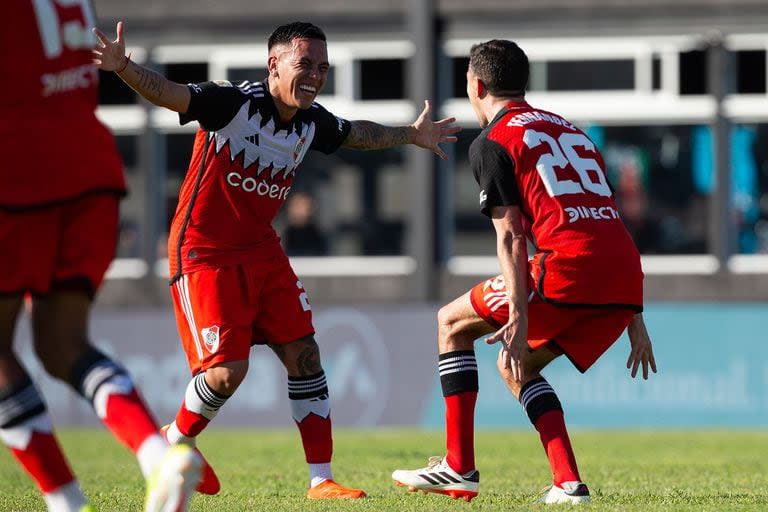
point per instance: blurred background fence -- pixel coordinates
(674, 94)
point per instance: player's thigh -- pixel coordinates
(594, 333)
(489, 299)
(10, 369)
(10, 305)
(88, 240)
(460, 323)
(29, 239)
(60, 329)
(213, 316)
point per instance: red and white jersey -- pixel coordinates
(550, 169)
(243, 165)
(53, 146)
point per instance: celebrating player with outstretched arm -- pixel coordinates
(232, 284)
(541, 180)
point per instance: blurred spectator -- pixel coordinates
(129, 241)
(302, 236)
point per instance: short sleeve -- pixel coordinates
(494, 171)
(330, 131)
(213, 104)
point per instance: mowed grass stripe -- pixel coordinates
(265, 471)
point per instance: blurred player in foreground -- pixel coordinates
(232, 285)
(61, 184)
(542, 180)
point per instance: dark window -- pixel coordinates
(178, 152)
(693, 72)
(750, 72)
(382, 79)
(590, 75)
(127, 147)
(113, 91)
(460, 65)
(237, 75)
(656, 73)
(187, 72)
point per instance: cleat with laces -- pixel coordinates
(573, 493)
(209, 482)
(330, 490)
(438, 477)
(172, 484)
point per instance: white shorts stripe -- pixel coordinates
(182, 287)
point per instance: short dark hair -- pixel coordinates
(501, 65)
(284, 34)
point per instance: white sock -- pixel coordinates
(319, 473)
(150, 453)
(175, 436)
(67, 498)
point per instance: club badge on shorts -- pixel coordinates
(211, 338)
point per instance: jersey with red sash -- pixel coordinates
(243, 165)
(54, 148)
(551, 170)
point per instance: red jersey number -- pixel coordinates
(563, 154)
(56, 35)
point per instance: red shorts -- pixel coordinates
(582, 334)
(67, 246)
(221, 312)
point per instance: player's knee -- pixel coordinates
(58, 362)
(301, 357)
(447, 322)
(226, 377)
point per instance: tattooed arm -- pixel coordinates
(424, 133)
(369, 135)
(110, 56)
(155, 87)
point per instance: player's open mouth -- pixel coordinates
(308, 89)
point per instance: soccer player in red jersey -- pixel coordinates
(232, 284)
(542, 181)
(61, 184)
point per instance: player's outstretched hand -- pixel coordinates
(430, 134)
(110, 55)
(641, 353)
(513, 347)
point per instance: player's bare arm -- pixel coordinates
(512, 251)
(110, 55)
(641, 353)
(424, 133)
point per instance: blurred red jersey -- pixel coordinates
(54, 148)
(553, 172)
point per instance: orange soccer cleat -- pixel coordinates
(330, 490)
(209, 482)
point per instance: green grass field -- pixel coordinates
(264, 471)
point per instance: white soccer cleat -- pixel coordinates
(172, 484)
(438, 477)
(573, 493)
